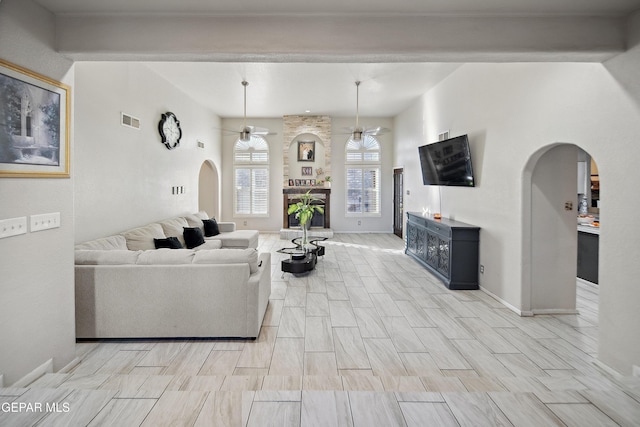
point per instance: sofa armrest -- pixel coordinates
(226, 227)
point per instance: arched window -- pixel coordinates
(251, 177)
(363, 160)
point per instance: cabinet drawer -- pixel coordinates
(438, 228)
(416, 220)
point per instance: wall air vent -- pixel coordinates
(129, 121)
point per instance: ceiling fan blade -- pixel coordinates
(376, 131)
(258, 130)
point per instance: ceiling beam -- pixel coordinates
(278, 38)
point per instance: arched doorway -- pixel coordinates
(550, 207)
(209, 189)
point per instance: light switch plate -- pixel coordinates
(45, 221)
(13, 226)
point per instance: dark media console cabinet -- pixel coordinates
(447, 248)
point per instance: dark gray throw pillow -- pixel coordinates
(169, 242)
(193, 237)
(211, 227)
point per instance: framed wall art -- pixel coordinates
(307, 171)
(306, 151)
(34, 124)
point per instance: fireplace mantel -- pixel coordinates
(289, 196)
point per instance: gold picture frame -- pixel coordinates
(34, 124)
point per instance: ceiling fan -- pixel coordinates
(248, 131)
(357, 131)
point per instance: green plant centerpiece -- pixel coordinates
(304, 210)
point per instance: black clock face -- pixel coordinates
(170, 132)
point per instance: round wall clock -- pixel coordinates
(169, 128)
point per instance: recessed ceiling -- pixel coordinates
(280, 89)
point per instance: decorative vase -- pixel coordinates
(327, 184)
(305, 242)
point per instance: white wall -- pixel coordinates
(273, 222)
(510, 111)
(124, 176)
(553, 231)
(36, 270)
(340, 223)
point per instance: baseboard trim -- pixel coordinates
(607, 369)
(45, 368)
(69, 366)
(549, 311)
(506, 304)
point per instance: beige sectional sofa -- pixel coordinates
(125, 288)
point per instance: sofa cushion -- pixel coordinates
(141, 238)
(238, 239)
(168, 243)
(229, 256)
(166, 257)
(173, 228)
(106, 257)
(211, 227)
(193, 237)
(209, 244)
(105, 243)
(202, 215)
(193, 220)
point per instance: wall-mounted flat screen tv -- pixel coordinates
(447, 162)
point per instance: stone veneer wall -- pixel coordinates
(297, 125)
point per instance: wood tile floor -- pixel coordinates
(369, 338)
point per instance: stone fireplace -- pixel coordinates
(300, 174)
(317, 128)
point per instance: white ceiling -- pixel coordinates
(278, 88)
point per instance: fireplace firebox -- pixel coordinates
(293, 194)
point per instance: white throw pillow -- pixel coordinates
(166, 256)
(229, 256)
(141, 238)
(174, 228)
(105, 243)
(203, 215)
(108, 257)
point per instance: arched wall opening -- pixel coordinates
(550, 207)
(209, 189)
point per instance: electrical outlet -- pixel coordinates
(244, 223)
(45, 221)
(359, 222)
(13, 227)
(481, 269)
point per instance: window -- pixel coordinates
(363, 176)
(251, 177)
